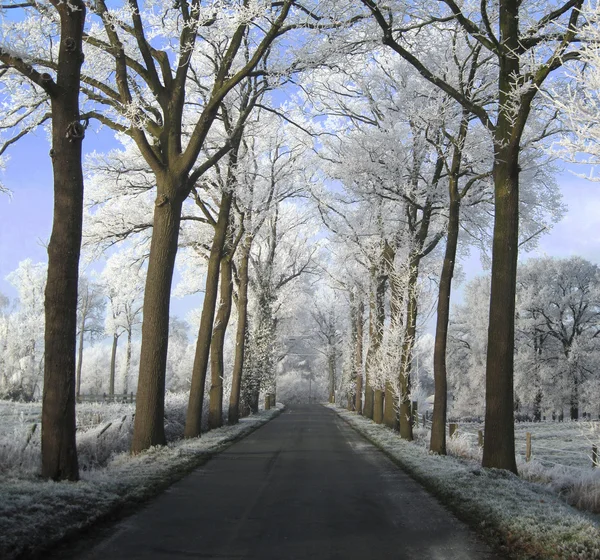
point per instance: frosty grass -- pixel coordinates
(36, 514)
(525, 520)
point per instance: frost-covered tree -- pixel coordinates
(23, 333)
(282, 254)
(528, 41)
(123, 279)
(91, 304)
(558, 312)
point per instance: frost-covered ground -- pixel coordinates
(561, 457)
(527, 520)
(36, 514)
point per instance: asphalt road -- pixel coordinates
(304, 486)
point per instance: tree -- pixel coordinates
(172, 109)
(59, 454)
(559, 307)
(327, 332)
(23, 340)
(524, 35)
(124, 292)
(90, 313)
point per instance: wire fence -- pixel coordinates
(573, 447)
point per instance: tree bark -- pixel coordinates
(127, 362)
(376, 320)
(148, 429)
(499, 442)
(406, 422)
(194, 413)
(240, 337)
(79, 359)
(378, 406)
(437, 443)
(59, 452)
(113, 363)
(358, 355)
(215, 410)
(438, 427)
(390, 412)
(332, 383)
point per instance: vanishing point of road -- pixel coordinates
(303, 486)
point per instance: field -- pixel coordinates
(562, 444)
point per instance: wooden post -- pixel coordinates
(273, 400)
(595, 461)
(480, 438)
(267, 402)
(528, 447)
(452, 429)
(131, 397)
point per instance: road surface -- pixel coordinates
(304, 486)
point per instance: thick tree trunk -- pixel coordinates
(215, 410)
(59, 453)
(79, 361)
(240, 337)
(194, 413)
(376, 320)
(378, 406)
(358, 355)
(499, 443)
(113, 365)
(499, 447)
(148, 429)
(390, 412)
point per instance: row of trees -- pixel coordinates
(557, 341)
(432, 134)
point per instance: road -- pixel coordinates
(304, 486)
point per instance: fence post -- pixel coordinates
(595, 462)
(267, 402)
(273, 403)
(528, 447)
(452, 429)
(480, 438)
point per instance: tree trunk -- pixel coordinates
(574, 408)
(440, 404)
(240, 337)
(148, 429)
(499, 446)
(390, 412)
(406, 420)
(79, 360)
(358, 355)
(127, 363)
(194, 413)
(215, 410)
(376, 320)
(332, 383)
(113, 363)
(59, 452)
(378, 406)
